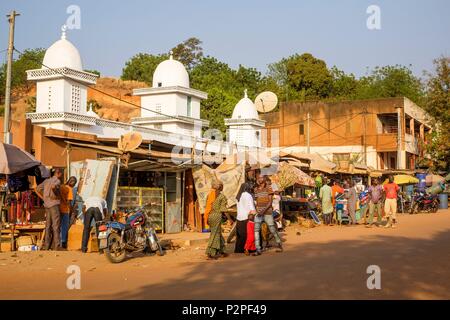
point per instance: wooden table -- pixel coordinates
(18, 230)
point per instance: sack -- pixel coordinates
(16, 183)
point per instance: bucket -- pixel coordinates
(422, 181)
(443, 201)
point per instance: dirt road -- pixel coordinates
(321, 263)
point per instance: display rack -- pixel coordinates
(150, 199)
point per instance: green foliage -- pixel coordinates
(189, 52)
(94, 72)
(390, 81)
(31, 104)
(308, 75)
(343, 85)
(141, 67)
(29, 59)
(437, 104)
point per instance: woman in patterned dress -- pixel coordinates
(216, 243)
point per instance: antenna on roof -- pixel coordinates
(266, 101)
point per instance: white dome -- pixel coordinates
(170, 73)
(62, 54)
(245, 109)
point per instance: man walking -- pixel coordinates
(390, 204)
(263, 195)
(325, 195)
(94, 208)
(375, 201)
(49, 191)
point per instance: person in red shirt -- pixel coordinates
(390, 205)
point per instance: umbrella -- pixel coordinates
(403, 179)
(432, 179)
(14, 159)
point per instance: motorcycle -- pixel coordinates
(423, 202)
(136, 235)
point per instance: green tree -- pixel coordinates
(141, 67)
(391, 81)
(437, 104)
(28, 60)
(343, 86)
(189, 52)
(308, 75)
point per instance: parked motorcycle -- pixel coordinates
(136, 235)
(423, 202)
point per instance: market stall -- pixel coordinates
(22, 220)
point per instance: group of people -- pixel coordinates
(255, 206)
(377, 195)
(59, 203)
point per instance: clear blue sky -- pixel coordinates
(249, 32)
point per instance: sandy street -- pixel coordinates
(321, 263)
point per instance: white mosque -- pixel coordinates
(170, 109)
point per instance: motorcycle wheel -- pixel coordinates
(113, 252)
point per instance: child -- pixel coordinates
(250, 246)
(276, 199)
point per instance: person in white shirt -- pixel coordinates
(276, 200)
(94, 208)
(245, 206)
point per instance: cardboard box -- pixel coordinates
(75, 237)
(26, 240)
(5, 246)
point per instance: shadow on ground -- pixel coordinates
(410, 269)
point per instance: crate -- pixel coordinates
(76, 235)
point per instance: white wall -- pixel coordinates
(246, 136)
(168, 104)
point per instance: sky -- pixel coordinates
(253, 33)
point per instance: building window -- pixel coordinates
(189, 108)
(74, 127)
(301, 129)
(159, 84)
(76, 99)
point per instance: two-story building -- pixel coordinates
(385, 133)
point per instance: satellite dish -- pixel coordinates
(266, 101)
(129, 141)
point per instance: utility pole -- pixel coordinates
(7, 138)
(308, 142)
(399, 136)
(365, 135)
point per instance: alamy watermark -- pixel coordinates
(374, 280)
(373, 22)
(73, 281)
(73, 21)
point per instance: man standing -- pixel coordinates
(390, 204)
(351, 202)
(325, 195)
(263, 195)
(49, 191)
(94, 208)
(66, 208)
(375, 201)
(335, 190)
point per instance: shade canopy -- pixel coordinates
(403, 179)
(289, 175)
(14, 159)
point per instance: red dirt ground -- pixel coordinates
(321, 263)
